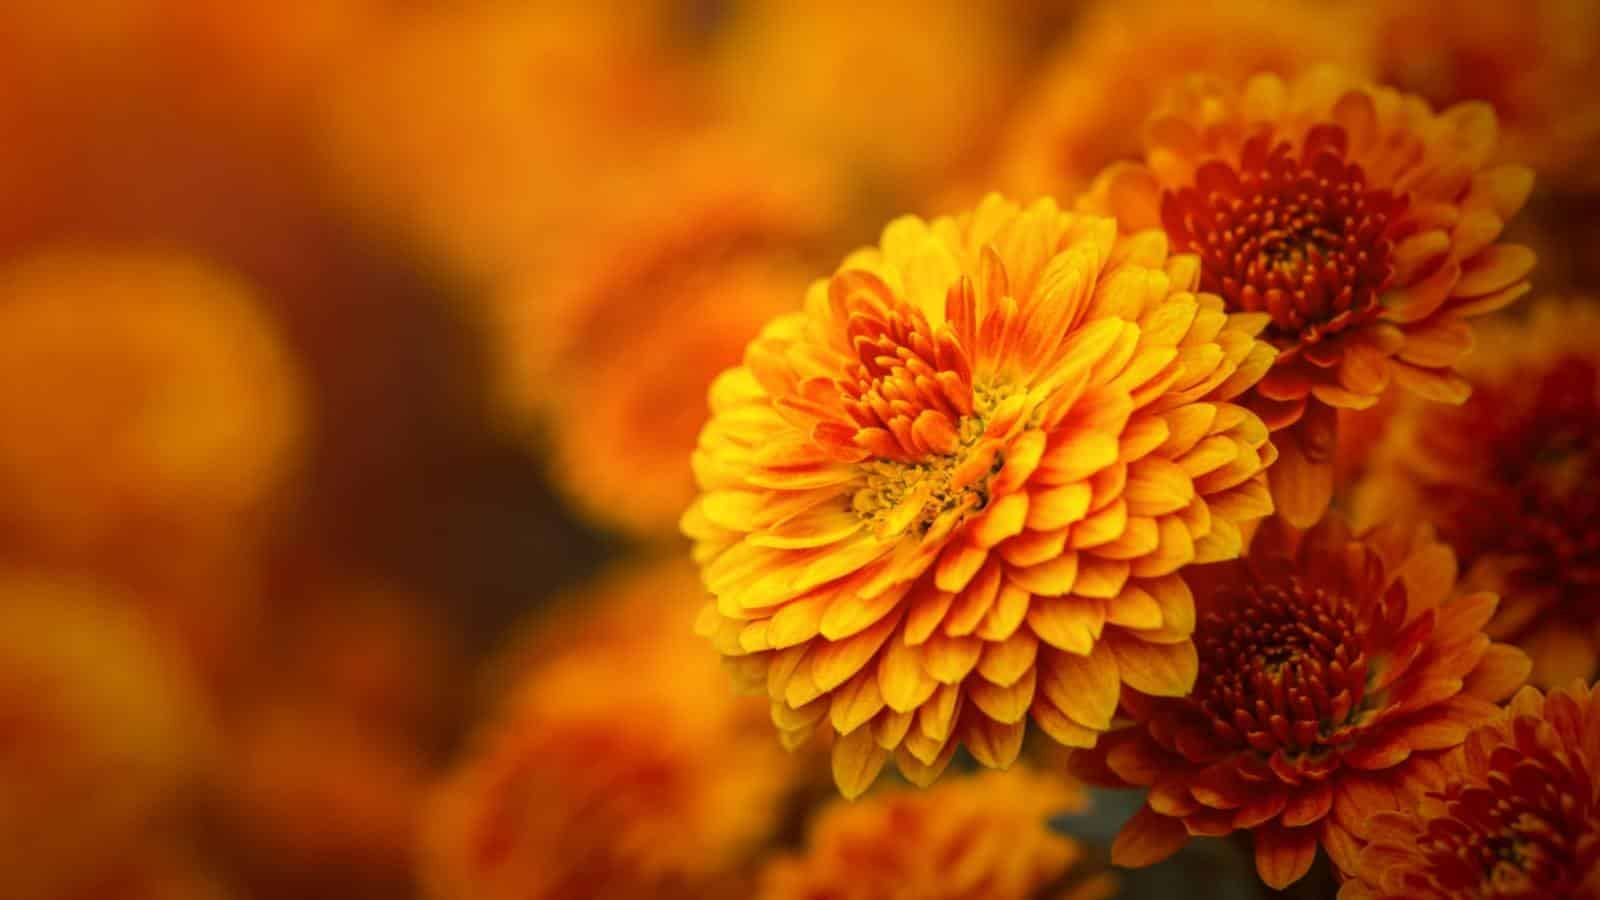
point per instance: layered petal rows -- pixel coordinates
(984, 836)
(1511, 815)
(1353, 224)
(1333, 670)
(1513, 479)
(959, 487)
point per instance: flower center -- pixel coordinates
(1509, 841)
(914, 404)
(1304, 240)
(1281, 667)
(1542, 493)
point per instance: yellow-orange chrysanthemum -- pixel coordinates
(659, 302)
(897, 113)
(619, 765)
(1514, 814)
(960, 485)
(1357, 226)
(1535, 62)
(105, 735)
(489, 134)
(146, 395)
(1086, 110)
(152, 413)
(984, 836)
(1332, 670)
(1512, 478)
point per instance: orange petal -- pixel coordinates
(1161, 670)
(1302, 487)
(1284, 855)
(1148, 838)
(1086, 688)
(1495, 268)
(857, 760)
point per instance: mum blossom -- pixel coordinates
(959, 486)
(617, 765)
(1352, 224)
(985, 836)
(1332, 668)
(1512, 479)
(1514, 814)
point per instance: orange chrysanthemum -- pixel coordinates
(152, 413)
(105, 735)
(663, 300)
(489, 134)
(1534, 62)
(1087, 108)
(620, 766)
(960, 485)
(984, 836)
(1514, 814)
(1357, 226)
(1329, 668)
(896, 118)
(1512, 479)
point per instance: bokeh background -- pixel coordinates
(351, 353)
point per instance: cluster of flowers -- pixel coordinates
(1095, 472)
(1073, 467)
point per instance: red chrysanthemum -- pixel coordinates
(1330, 666)
(1512, 479)
(1514, 814)
(1356, 225)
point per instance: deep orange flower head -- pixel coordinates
(105, 735)
(1514, 814)
(619, 765)
(661, 299)
(983, 836)
(960, 486)
(1085, 110)
(1331, 667)
(1359, 228)
(1512, 479)
(146, 396)
(1535, 62)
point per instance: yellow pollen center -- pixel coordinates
(897, 496)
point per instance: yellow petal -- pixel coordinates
(1085, 688)
(1072, 624)
(857, 760)
(1160, 670)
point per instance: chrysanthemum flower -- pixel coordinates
(1534, 62)
(619, 766)
(1512, 479)
(1087, 107)
(488, 133)
(898, 118)
(1356, 225)
(1330, 669)
(1514, 814)
(959, 487)
(105, 734)
(605, 349)
(984, 836)
(141, 391)
(152, 412)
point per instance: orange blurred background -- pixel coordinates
(339, 336)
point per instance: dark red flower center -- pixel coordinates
(1282, 666)
(1528, 833)
(1303, 239)
(1540, 498)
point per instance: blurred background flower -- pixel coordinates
(344, 342)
